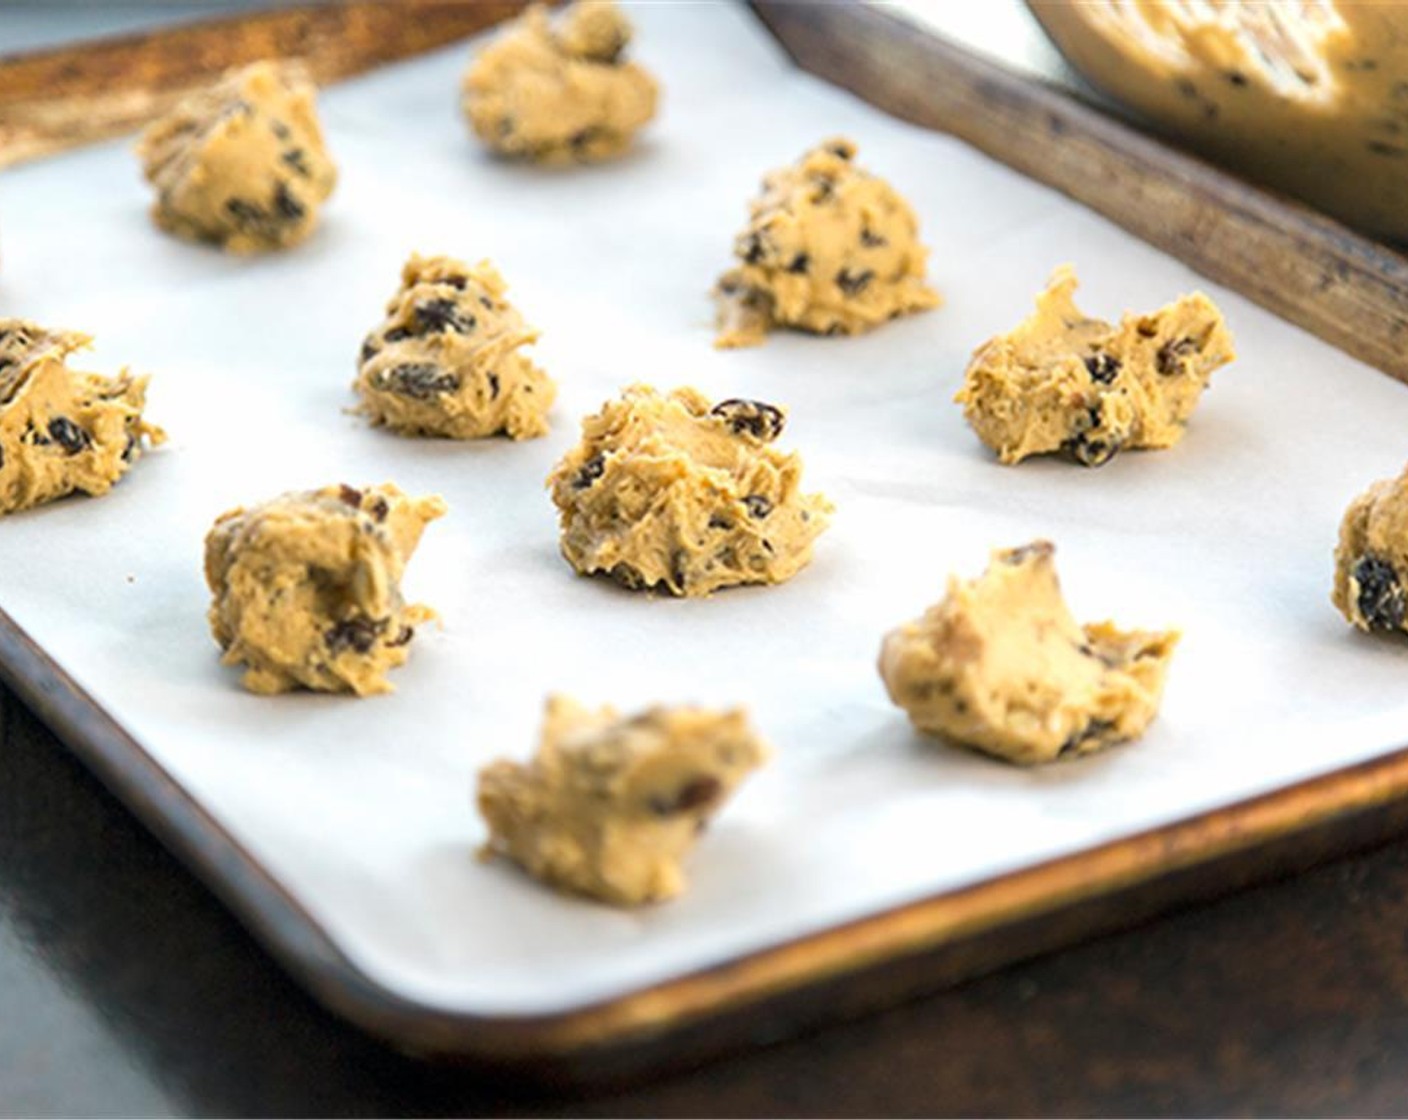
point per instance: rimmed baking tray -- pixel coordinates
(707, 987)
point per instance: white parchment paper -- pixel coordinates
(363, 809)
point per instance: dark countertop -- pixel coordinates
(126, 989)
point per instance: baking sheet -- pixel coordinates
(363, 809)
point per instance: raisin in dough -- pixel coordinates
(1371, 559)
(307, 587)
(610, 807)
(829, 248)
(1063, 382)
(1001, 665)
(665, 491)
(61, 431)
(241, 164)
(560, 95)
(445, 361)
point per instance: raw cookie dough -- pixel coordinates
(1063, 382)
(445, 362)
(829, 248)
(1371, 560)
(1001, 665)
(610, 807)
(241, 164)
(1306, 97)
(61, 431)
(668, 492)
(560, 95)
(307, 587)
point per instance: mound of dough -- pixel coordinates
(563, 95)
(829, 248)
(307, 587)
(670, 492)
(1371, 559)
(1063, 382)
(61, 431)
(610, 807)
(241, 164)
(445, 361)
(1001, 665)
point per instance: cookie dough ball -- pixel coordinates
(830, 248)
(307, 587)
(560, 95)
(1065, 382)
(445, 361)
(241, 164)
(1001, 665)
(610, 807)
(674, 493)
(63, 432)
(1371, 560)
